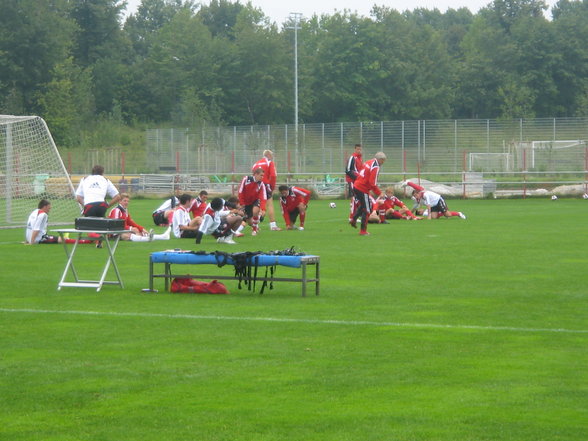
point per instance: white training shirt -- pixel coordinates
(181, 217)
(167, 205)
(94, 188)
(37, 221)
(430, 198)
(211, 222)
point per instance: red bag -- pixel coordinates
(187, 285)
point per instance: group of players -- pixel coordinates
(362, 183)
(194, 217)
(186, 216)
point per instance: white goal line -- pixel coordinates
(294, 320)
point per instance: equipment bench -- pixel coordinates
(169, 258)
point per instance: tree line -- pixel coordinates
(76, 62)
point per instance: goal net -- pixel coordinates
(552, 155)
(490, 162)
(30, 170)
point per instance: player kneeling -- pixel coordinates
(218, 222)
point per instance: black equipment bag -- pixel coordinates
(99, 224)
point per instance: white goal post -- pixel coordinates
(30, 170)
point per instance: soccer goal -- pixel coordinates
(490, 162)
(552, 155)
(30, 170)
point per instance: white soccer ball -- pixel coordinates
(554, 198)
(585, 195)
(333, 205)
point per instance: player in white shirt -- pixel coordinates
(218, 221)
(92, 192)
(36, 230)
(182, 226)
(436, 206)
(163, 214)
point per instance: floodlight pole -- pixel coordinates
(295, 16)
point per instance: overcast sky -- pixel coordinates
(279, 10)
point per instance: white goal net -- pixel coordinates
(30, 170)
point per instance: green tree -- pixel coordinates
(67, 102)
(35, 36)
(570, 33)
(151, 15)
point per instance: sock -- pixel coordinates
(255, 222)
(410, 214)
(81, 241)
(164, 236)
(302, 219)
(137, 238)
(453, 213)
(241, 227)
(382, 214)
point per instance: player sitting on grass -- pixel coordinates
(386, 204)
(137, 233)
(36, 229)
(184, 227)
(294, 202)
(164, 213)
(218, 222)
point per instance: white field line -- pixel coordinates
(294, 320)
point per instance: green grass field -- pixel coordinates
(431, 330)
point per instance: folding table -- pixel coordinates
(110, 241)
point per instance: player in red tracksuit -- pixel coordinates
(385, 208)
(121, 211)
(270, 177)
(366, 182)
(352, 169)
(137, 233)
(253, 198)
(199, 204)
(294, 202)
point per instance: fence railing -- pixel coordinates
(460, 184)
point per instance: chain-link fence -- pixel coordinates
(535, 153)
(424, 146)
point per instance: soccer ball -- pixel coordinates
(585, 195)
(554, 198)
(333, 205)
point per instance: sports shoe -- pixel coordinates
(98, 244)
(230, 241)
(385, 222)
(151, 233)
(221, 240)
(463, 216)
(300, 228)
(275, 229)
(237, 234)
(364, 233)
(254, 233)
(353, 223)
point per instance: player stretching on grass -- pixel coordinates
(294, 202)
(366, 182)
(436, 206)
(386, 208)
(217, 222)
